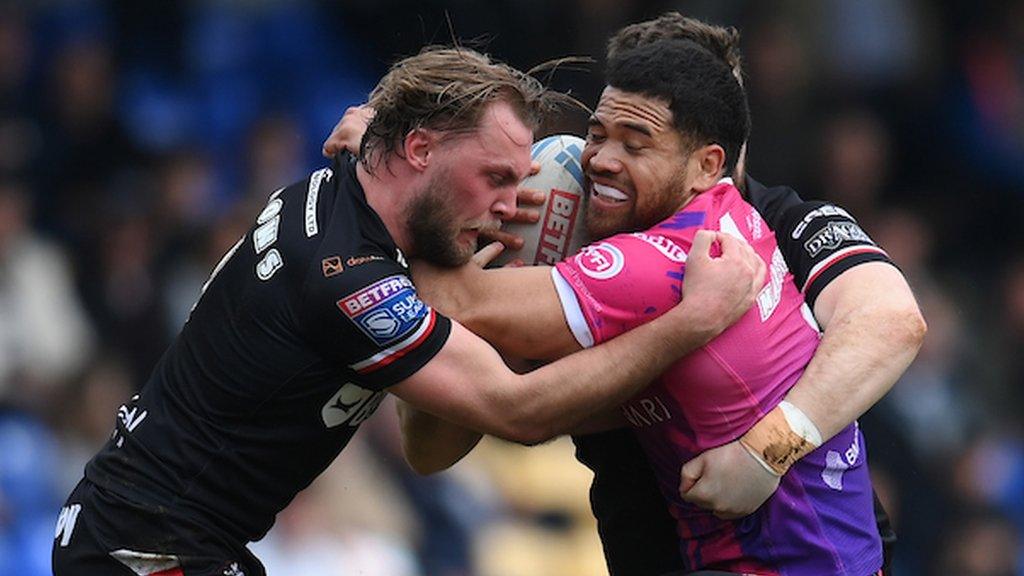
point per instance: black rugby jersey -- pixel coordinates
(297, 334)
(819, 241)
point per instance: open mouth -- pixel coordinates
(607, 193)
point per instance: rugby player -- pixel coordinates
(870, 299)
(311, 317)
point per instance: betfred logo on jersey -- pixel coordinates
(556, 235)
(600, 261)
(385, 310)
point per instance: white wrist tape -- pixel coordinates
(800, 424)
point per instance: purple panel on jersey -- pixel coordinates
(683, 220)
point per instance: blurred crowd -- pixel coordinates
(139, 139)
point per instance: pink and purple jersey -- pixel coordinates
(821, 520)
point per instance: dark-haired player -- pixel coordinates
(312, 317)
(871, 298)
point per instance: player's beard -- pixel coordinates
(434, 226)
(646, 211)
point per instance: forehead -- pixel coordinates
(618, 107)
(501, 136)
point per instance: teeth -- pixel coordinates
(609, 193)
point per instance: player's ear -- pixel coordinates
(708, 162)
(417, 146)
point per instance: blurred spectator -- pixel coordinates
(123, 293)
(45, 336)
(855, 163)
(781, 105)
(27, 497)
(20, 137)
(85, 143)
(275, 157)
(85, 415)
(985, 544)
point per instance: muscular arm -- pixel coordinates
(468, 385)
(872, 332)
(517, 310)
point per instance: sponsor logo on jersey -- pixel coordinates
(358, 260)
(754, 224)
(351, 405)
(834, 234)
(385, 310)
(600, 261)
(646, 412)
(556, 235)
(129, 419)
(332, 266)
(670, 249)
(312, 195)
(826, 210)
(769, 297)
(837, 464)
(66, 524)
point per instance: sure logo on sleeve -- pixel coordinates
(385, 310)
(600, 261)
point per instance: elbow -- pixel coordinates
(423, 468)
(910, 328)
(422, 463)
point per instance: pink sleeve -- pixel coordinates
(617, 284)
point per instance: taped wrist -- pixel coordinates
(782, 437)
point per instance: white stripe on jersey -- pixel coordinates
(839, 255)
(571, 308)
(399, 346)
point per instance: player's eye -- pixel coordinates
(633, 147)
(595, 137)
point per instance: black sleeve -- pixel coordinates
(818, 240)
(370, 319)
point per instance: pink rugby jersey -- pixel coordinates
(821, 519)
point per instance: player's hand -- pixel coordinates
(727, 481)
(526, 213)
(348, 132)
(718, 290)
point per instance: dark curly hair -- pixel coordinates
(707, 102)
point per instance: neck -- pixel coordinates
(387, 193)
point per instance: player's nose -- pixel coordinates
(604, 160)
(505, 205)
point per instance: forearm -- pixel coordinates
(860, 358)
(516, 310)
(562, 395)
(873, 330)
(430, 443)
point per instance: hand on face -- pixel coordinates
(525, 213)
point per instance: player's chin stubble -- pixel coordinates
(434, 228)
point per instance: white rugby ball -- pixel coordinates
(559, 232)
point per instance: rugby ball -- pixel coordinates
(559, 232)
